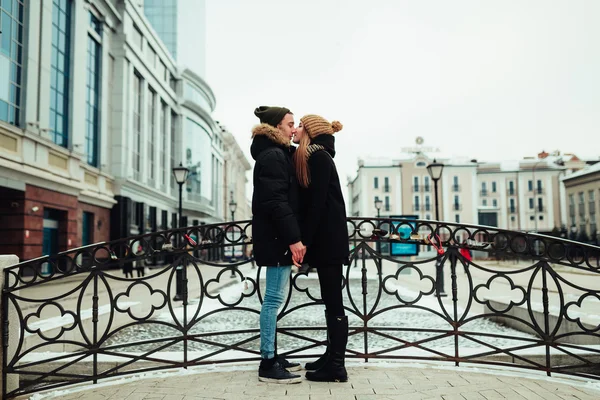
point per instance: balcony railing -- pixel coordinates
(483, 193)
(511, 192)
(512, 210)
(427, 207)
(387, 189)
(537, 190)
(456, 207)
(416, 207)
(427, 188)
(416, 188)
(456, 188)
(107, 325)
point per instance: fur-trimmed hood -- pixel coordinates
(274, 134)
(266, 136)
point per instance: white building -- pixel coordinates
(94, 113)
(236, 177)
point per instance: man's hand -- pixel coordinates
(298, 251)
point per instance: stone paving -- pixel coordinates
(385, 381)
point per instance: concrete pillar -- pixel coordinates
(13, 325)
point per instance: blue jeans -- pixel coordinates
(275, 293)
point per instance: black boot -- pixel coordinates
(334, 369)
(315, 365)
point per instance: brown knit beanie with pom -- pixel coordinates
(316, 125)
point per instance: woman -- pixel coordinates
(325, 234)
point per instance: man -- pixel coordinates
(275, 230)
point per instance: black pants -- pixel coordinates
(330, 280)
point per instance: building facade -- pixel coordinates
(525, 195)
(406, 189)
(583, 200)
(94, 113)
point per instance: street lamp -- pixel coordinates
(435, 170)
(180, 174)
(232, 208)
(378, 205)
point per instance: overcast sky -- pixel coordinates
(482, 79)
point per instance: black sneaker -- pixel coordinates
(277, 374)
(290, 366)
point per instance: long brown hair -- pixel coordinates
(301, 161)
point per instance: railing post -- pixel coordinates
(10, 327)
(453, 261)
(546, 304)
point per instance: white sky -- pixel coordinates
(481, 79)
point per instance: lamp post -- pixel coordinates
(232, 208)
(435, 170)
(180, 174)
(378, 205)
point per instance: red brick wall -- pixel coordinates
(44, 198)
(17, 218)
(12, 217)
(102, 216)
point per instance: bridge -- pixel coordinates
(525, 301)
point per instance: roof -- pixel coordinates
(586, 171)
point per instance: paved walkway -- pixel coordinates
(367, 381)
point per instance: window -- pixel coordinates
(172, 82)
(387, 203)
(457, 218)
(151, 133)
(483, 189)
(416, 203)
(428, 216)
(539, 186)
(92, 117)
(376, 183)
(164, 109)
(530, 185)
(455, 186)
(416, 184)
(540, 204)
(138, 38)
(151, 56)
(493, 187)
(427, 203)
(386, 185)
(11, 61)
(60, 71)
(531, 204)
(572, 209)
(137, 124)
(485, 202)
(495, 203)
(511, 188)
(512, 206)
(456, 203)
(426, 183)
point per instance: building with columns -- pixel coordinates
(94, 113)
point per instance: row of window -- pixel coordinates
(580, 207)
(151, 134)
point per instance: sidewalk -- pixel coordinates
(375, 381)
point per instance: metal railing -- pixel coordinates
(93, 323)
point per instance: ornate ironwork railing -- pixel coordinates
(525, 300)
